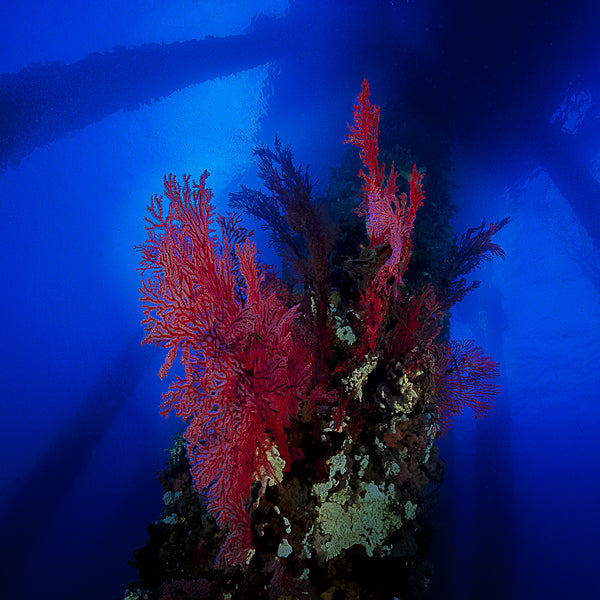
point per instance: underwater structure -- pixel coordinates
(312, 401)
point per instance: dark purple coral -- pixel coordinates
(300, 230)
(474, 248)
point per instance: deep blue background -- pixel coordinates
(84, 143)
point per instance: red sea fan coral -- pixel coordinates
(419, 322)
(213, 303)
(463, 377)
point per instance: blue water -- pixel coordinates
(512, 90)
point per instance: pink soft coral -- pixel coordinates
(390, 218)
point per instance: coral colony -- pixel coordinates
(312, 401)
